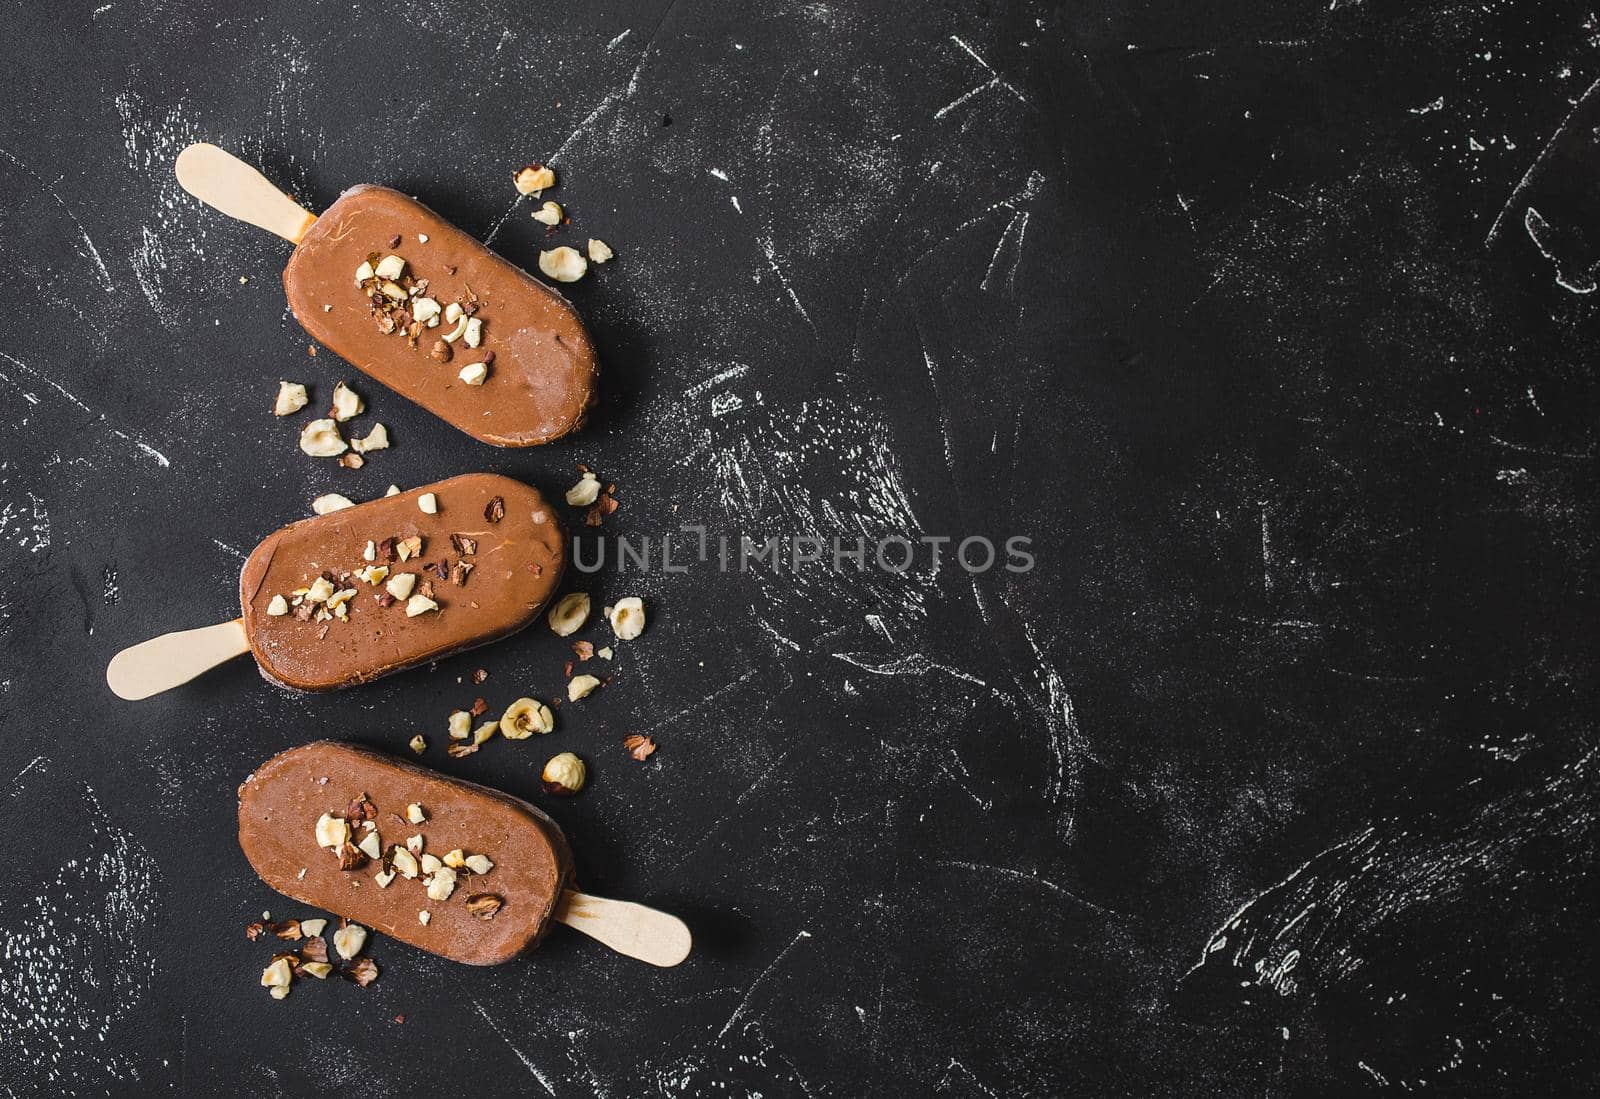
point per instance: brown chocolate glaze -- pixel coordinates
(278, 810)
(541, 383)
(518, 563)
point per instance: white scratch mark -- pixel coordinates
(93, 253)
(1527, 177)
(989, 69)
(1017, 875)
(751, 991)
(527, 1063)
(617, 41)
(910, 664)
(772, 260)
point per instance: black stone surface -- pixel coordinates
(1272, 326)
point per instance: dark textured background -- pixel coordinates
(1270, 324)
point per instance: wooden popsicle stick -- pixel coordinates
(627, 928)
(164, 662)
(223, 181)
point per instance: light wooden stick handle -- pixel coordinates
(627, 928)
(164, 662)
(221, 180)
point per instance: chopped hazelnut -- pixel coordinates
(440, 351)
(579, 686)
(460, 725)
(314, 927)
(332, 831)
(319, 970)
(479, 864)
(424, 916)
(377, 439)
(321, 439)
(400, 584)
(548, 214)
(458, 331)
(426, 311)
(605, 653)
(533, 179)
(639, 747)
(415, 814)
(442, 884)
(364, 272)
(291, 399)
(348, 940)
(569, 613)
(277, 975)
(483, 906)
(390, 267)
(430, 863)
(627, 618)
(370, 845)
(524, 717)
(483, 732)
(404, 862)
(585, 492)
(393, 490)
(383, 878)
(474, 332)
(278, 605)
(347, 403)
(352, 460)
(455, 859)
(371, 552)
(428, 503)
(474, 374)
(564, 774)
(563, 264)
(373, 574)
(599, 251)
(419, 605)
(415, 843)
(419, 744)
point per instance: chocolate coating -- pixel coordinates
(517, 565)
(279, 806)
(541, 383)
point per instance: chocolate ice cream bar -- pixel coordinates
(419, 305)
(359, 593)
(450, 867)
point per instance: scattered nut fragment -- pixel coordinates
(409, 547)
(332, 831)
(352, 460)
(483, 732)
(455, 859)
(524, 717)
(580, 686)
(319, 970)
(599, 251)
(321, 439)
(474, 332)
(430, 863)
(415, 814)
(400, 584)
(312, 928)
(390, 267)
(484, 905)
(419, 744)
(495, 510)
(330, 503)
(460, 725)
(563, 264)
(383, 878)
(458, 331)
(278, 606)
(371, 551)
(364, 272)
(569, 613)
(377, 439)
(403, 861)
(426, 311)
(347, 403)
(533, 179)
(370, 846)
(639, 747)
(319, 591)
(564, 774)
(548, 214)
(415, 843)
(348, 940)
(424, 916)
(474, 374)
(373, 574)
(292, 398)
(419, 605)
(627, 618)
(479, 864)
(393, 490)
(585, 492)
(277, 975)
(440, 351)
(605, 653)
(361, 972)
(428, 503)
(442, 884)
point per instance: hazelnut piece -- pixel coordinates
(599, 251)
(569, 613)
(419, 744)
(627, 618)
(474, 373)
(332, 831)
(563, 264)
(291, 399)
(348, 940)
(585, 492)
(278, 606)
(548, 214)
(390, 267)
(330, 503)
(347, 403)
(415, 814)
(524, 717)
(377, 439)
(580, 686)
(419, 605)
(428, 503)
(400, 584)
(564, 774)
(320, 439)
(533, 179)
